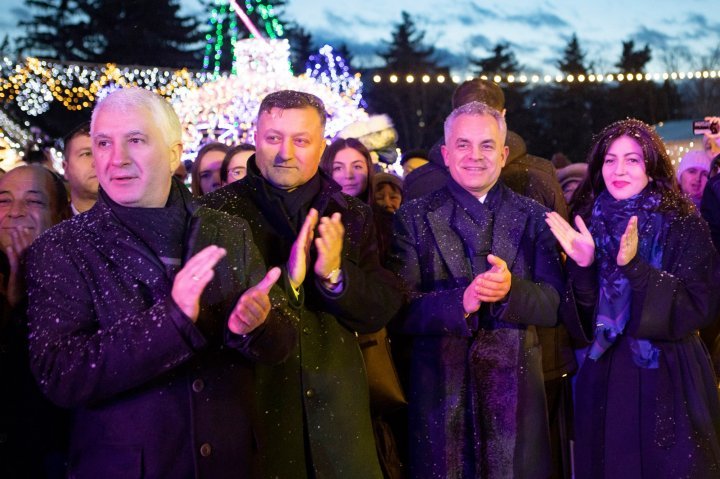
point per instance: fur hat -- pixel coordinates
(693, 159)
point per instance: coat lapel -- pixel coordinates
(450, 245)
(508, 229)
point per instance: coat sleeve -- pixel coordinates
(438, 312)
(535, 300)
(669, 305)
(74, 359)
(371, 295)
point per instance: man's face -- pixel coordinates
(474, 152)
(80, 167)
(289, 146)
(132, 160)
(692, 182)
(26, 203)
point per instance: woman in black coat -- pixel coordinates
(642, 271)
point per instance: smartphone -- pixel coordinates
(700, 127)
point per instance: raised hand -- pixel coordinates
(20, 239)
(329, 245)
(578, 244)
(191, 280)
(297, 263)
(253, 307)
(628, 243)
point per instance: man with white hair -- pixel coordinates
(483, 271)
(147, 312)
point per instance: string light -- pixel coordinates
(560, 78)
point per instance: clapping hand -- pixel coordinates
(254, 305)
(578, 244)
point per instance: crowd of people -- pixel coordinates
(545, 323)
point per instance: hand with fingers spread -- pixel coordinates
(191, 280)
(254, 305)
(300, 251)
(329, 244)
(20, 239)
(628, 243)
(578, 244)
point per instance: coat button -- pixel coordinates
(310, 393)
(205, 450)
(198, 385)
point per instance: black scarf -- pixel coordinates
(162, 230)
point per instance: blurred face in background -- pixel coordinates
(26, 203)
(388, 197)
(692, 182)
(237, 168)
(350, 170)
(209, 172)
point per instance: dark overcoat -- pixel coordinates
(477, 404)
(316, 402)
(153, 394)
(662, 422)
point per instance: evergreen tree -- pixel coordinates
(301, 46)
(501, 61)
(418, 109)
(143, 32)
(633, 61)
(405, 53)
(573, 60)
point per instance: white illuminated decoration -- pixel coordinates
(224, 109)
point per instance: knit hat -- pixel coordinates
(380, 178)
(693, 159)
(572, 172)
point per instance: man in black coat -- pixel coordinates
(314, 406)
(147, 312)
(483, 270)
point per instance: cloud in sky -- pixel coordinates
(539, 19)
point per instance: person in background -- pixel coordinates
(643, 279)
(412, 160)
(348, 162)
(206, 168)
(387, 191)
(234, 165)
(79, 168)
(34, 432)
(570, 177)
(710, 204)
(692, 175)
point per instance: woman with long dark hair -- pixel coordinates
(642, 271)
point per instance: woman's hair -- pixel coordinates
(195, 175)
(658, 168)
(326, 163)
(228, 157)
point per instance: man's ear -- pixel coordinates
(505, 154)
(176, 155)
(444, 151)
